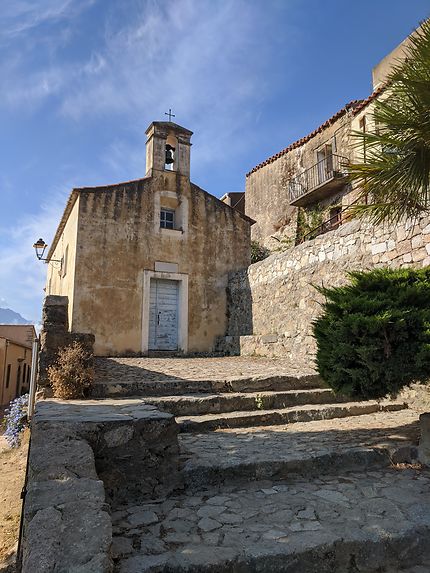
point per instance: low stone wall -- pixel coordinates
(55, 334)
(273, 303)
(85, 457)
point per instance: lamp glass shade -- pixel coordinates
(40, 246)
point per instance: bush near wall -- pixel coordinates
(373, 337)
(258, 252)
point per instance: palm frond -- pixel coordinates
(396, 173)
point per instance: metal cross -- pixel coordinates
(170, 114)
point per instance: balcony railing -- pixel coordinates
(316, 181)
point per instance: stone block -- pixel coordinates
(424, 446)
(379, 248)
(391, 244)
(56, 312)
(419, 255)
(404, 247)
(417, 241)
(41, 495)
(269, 339)
(59, 457)
(401, 233)
(247, 345)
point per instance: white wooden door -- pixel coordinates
(163, 314)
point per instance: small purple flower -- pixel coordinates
(16, 420)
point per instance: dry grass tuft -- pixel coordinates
(73, 374)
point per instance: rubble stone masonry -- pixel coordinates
(272, 305)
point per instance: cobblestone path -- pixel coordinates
(269, 523)
(217, 368)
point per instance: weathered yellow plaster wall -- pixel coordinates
(119, 237)
(60, 281)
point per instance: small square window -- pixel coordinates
(167, 219)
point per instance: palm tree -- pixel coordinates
(394, 179)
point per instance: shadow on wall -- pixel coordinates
(239, 305)
(239, 313)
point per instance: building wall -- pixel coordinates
(61, 279)
(14, 385)
(267, 198)
(22, 333)
(119, 237)
(274, 302)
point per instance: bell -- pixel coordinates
(170, 158)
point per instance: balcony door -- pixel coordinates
(325, 163)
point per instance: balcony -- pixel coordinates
(327, 176)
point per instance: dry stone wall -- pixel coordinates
(274, 302)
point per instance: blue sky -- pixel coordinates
(82, 79)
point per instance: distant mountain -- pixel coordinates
(8, 316)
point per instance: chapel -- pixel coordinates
(145, 263)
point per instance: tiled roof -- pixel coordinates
(353, 106)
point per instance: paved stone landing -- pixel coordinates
(212, 368)
(362, 521)
(173, 376)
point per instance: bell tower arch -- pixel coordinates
(168, 148)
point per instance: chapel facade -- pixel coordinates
(145, 263)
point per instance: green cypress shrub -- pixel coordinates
(373, 337)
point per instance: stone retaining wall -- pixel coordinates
(84, 459)
(273, 303)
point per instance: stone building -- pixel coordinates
(15, 360)
(145, 264)
(303, 191)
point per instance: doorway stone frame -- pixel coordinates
(182, 279)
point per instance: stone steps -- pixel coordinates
(308, 449)
(276, 474)
(305, 413)
(199, 405)
(367, 522)
(141, 386)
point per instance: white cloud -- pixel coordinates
(208, 61)
(21, 16)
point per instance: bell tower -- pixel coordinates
(168, 148)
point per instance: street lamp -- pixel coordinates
(40, 247)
